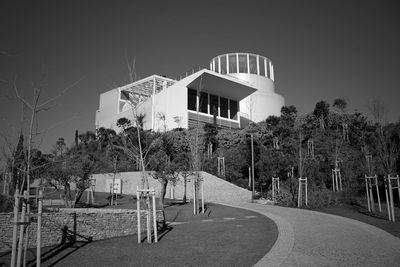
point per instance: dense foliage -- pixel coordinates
(286, 146)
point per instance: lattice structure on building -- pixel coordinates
(133, 94)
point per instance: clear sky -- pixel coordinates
(321, 50)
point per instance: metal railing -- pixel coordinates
(191, 71)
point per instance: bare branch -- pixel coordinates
(131, 68)
(55, 125)
(19, 97)
(59, 95)
(4, 53)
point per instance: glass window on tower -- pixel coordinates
(242, 63)
(216, 69)
(232, 63)
(223, 64)
(253, 64)
(262, 66)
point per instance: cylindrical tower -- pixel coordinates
(258, 71)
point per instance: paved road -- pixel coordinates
(310, 238)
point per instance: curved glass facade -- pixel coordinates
(243, 63)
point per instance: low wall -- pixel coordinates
(79, 224)
(215, 189)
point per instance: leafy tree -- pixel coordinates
(18, 165)
(60, 145)
(321, 112)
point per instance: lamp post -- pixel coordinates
(251, 132)
(252, 167)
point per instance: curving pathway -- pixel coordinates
(310, 238)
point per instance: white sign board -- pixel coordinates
(117, 186)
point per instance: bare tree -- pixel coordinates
(378, 111)
(35, 106)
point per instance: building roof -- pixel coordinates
(221, 85)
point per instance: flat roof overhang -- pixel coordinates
(222, 85)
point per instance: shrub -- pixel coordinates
(6, 203)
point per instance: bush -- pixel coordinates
(317, 198)
(6, 203)
(285, 198)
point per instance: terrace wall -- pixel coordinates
(65, 225)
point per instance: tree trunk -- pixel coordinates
(184, 189)
(164, 183)
(78, 196)
(67, 196)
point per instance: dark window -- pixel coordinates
(203, 102)
(191, 99)
(223, 102)
(213, 105)
(232, 63)
(234, 109)
(124, 95)
(268, 70)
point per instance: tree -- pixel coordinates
(17, 165)
(87, 137)
(76, 138)
(321, 111)
(340, 103)
(77, 170)
(60, 144)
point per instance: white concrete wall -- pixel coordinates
(262, 103)
(172, 101)
(215, 189)
(107, 114)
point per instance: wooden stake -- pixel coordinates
(387, 200)
(306, 192)
(15, 229)
(154, 218)
(391, 200)
(299, 194)
(366, 189)
(377, 193)
(371, 197)
(39, 230)
(202, 197)
(21, 230)
(138, 213)
(148, 218)
(194, 196)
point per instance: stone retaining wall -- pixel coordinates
(65, 225)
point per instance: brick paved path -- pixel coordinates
(310, 238)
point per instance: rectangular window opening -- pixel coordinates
(234, 109)
(223, 107)
(242, 63)
(192, 99)
(232, 63)
(253, 64)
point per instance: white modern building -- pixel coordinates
(236, 89)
